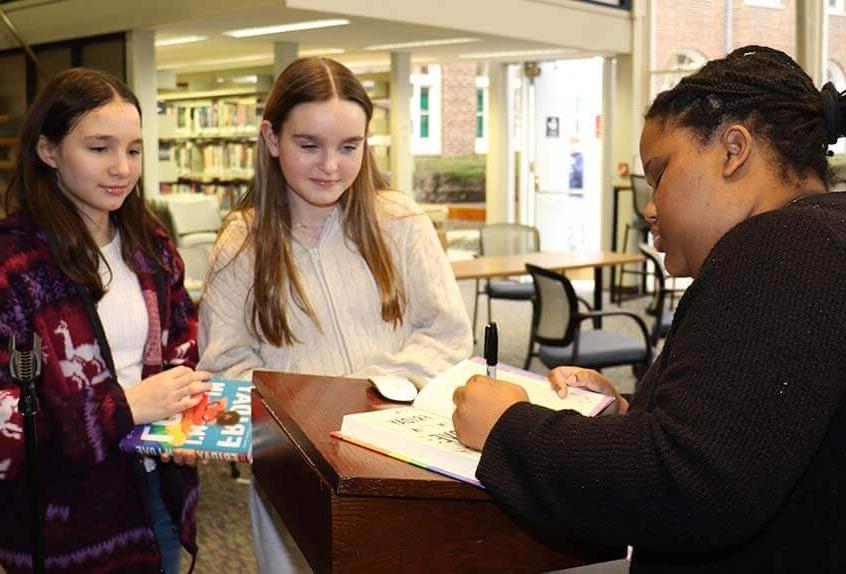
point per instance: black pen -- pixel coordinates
(491, 348)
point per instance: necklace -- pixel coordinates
(802, 196)
(311, 226)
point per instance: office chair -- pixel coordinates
(556, 329)
(505, 239)
(662, 306)
(641, 193)
(193, 220)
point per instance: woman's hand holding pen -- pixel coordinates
(167, 393)
(564, 377)
(479, 404)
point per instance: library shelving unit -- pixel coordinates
(207, 139)
(7, 159)
(207, 142)
(378, 86)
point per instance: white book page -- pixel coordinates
(436, 397)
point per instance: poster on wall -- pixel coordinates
(553, 127)
(577, 167)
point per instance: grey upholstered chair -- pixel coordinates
(641, 193)
(556, 329)
(662, 306)
(505, 239)
(193, 220)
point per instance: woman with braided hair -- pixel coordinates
(732, 454)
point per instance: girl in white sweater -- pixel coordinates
(322, 270)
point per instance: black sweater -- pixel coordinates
(732, 457)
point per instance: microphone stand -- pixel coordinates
(25, 368)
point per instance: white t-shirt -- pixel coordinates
(123, 314)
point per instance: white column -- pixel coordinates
(811, 42)
(641, 58)
(141, 78)
(609, 155)
(283, 54)
(496, 165)
(402, 162)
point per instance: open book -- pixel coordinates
(219, 427)
(423, 435)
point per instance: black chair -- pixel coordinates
(505, 239)
(662, 306)
(556, 329)
(640, 197)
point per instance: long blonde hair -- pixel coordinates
(276, 281)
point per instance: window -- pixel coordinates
(681, 63)
(426, 110)
(764, 3)
(480, 112)
(836, 6)
(834, 74)
(481, 143)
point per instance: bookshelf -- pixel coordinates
(207, 142)
(8, 146)
(378, 87)
(207, 138)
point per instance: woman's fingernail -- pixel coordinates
(562, 393)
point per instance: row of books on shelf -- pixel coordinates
(224, 117)
(227, 194)
(199, 160)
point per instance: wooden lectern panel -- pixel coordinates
(354, 510)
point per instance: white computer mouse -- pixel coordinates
(394, 388)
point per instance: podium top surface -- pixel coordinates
(309, 407)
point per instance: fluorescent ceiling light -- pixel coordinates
(321, 52)
(282, 28)
(423, 44)
(216, 62)
(250, 79)
(180, 40)
(513, 54)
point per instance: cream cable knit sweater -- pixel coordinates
(354, 341)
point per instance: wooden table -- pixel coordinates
(353, 510)
(491, 266)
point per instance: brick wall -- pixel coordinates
(692, 24)
(700, 25)
(837, 40)
(458, 109)
(773, 27)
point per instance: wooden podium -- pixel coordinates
(353, 510)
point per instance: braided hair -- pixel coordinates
(769, 93)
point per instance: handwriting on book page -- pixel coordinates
(432, 429)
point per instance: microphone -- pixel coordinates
(25, 367)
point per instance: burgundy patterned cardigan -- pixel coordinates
(95, 515)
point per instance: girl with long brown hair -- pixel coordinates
(85, 267)
(321, 269)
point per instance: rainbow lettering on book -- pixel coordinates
(219, 427)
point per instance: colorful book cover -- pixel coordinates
(219, 427)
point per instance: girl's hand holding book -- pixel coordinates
(166, 394)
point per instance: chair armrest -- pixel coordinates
(587, 305)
